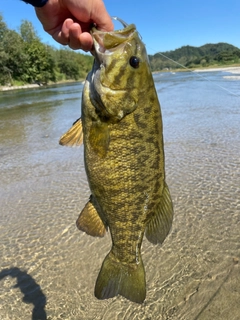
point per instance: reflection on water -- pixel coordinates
(194, 275)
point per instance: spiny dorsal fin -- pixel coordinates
(89, 220)
(74, 136)
(159, 226)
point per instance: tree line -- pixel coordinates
(219, 54)
(24, 59)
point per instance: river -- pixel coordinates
(48, 267)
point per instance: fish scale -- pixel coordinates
(121, 127)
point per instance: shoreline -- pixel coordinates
(35, 85)
(233, 70)
(27, 86)
(228, 69)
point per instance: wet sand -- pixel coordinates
(232, 70)
(48, 268)
(27, 86)
(226, 69)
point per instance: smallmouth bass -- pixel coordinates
(121, 130)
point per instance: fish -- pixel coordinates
(122, 134)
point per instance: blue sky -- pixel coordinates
(164, 25)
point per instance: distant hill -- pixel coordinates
(194, 57)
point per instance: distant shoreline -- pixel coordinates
(234, 70)
(27, 86)
(32, 86)
(228, 69)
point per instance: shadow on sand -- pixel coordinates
(31, 290)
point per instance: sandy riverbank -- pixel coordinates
(27, 86)
(227, 69)
(234, 70)
(31, 86)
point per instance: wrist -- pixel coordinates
(36, 3)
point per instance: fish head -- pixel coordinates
(121, 70)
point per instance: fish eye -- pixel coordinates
(134, 62)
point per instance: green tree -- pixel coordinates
(5, 75)
(28, 32)
(14, 47)
(3, 28)
(24, 58)
(67, 64)
(39, 64)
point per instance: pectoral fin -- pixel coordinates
(99, 138)
(160, 224)
(89, 220)
(74, 136)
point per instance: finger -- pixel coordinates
(101, 17)
(104, 26)
(79, 39)
(86, 41)
(63, 36)
(74, 35)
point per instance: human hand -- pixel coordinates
(69, 21)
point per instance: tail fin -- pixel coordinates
(117, 278)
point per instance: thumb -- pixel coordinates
(101, 17)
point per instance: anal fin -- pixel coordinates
(160, 224)
(90, 222)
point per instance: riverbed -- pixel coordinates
(48, 267)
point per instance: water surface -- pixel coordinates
(48, 268)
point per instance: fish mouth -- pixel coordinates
(107, 47)
(106, 43)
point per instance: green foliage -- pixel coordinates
(3, 28)
(14, 50)
(67, 64)
(193, 57)
(25, 59)
(39, 65)
(27, 32)
(4, 72)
